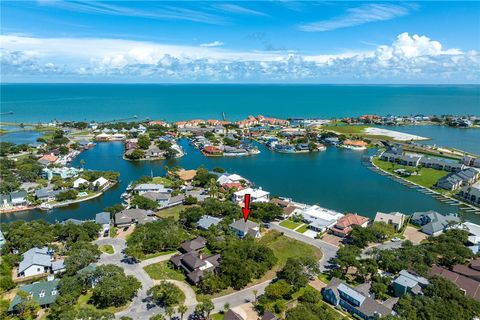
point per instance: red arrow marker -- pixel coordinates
(246, 210)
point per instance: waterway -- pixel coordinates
(335, 179)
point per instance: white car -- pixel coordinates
(396, 239)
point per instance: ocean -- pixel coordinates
(106, 102)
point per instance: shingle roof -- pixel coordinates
(45, 293)
(102, 218)
(35, 256)
(206, 221)
(243, 225)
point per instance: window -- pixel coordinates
(42, 294)
(54, 292)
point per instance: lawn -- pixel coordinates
(162, 180)
(345, 129)
(426, 177)
(302, 229)
(163, 270)
(289, 224)
(171, 212)
(218, 316)
(106, 248)
(285, 248)
(85, 298)
(157, 254)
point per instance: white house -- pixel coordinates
(35, 261)
(256, 195)
(320, 219)
(151, 187)
(231, 178)
(100, 182)
(396, 219)
(80, 181)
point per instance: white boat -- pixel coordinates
(46, 207)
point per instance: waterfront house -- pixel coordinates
(471, 161)
(100, 182)
(207, 221)
(319, 219)
(455, 180)
(288, 206)
(46, 194)
(48, 159)
(256, 195)
(154, 152)
(441, 164)
(407, 282)
(471, 193)
(242, 228)
(158, 123)
(345, 224)
(231, 178)
(80, 181)
(103, 137)
(128, 217)
(358, 303)
(212, 151)
(467, 285)
(396, 219)
(159, 197)
(432, 222)
(151, 187)
(355, 144)
(192, 262)
(44, 293)
(186, 175)
(14, 199)
(402, 159)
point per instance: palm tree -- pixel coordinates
(169, 311)
(182, 310)
(212, 187)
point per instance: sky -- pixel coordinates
(285, 41)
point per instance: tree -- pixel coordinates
(226, 306)
(167, 294)
(157, 317)
(298, 271)
(190, 216)
(27, 308)
(80, 255)
(135, 154)
(205, 307)
(266, 211)
(190, 200)
(182, 309)
(143, 142)
(169, 311)
(113, 287)
(143, 203)
(278, 290)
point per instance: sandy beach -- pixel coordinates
(399, 136)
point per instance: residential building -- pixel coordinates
(48, 159)
(471, 193)
(237, 314)
(100, 182)
(288, 206)
(432, 222)
(355, 144)
(471, 161)
(345, 224)
(128, 217)
(103, 219)
(37, 261)
(242, 228)
(46, 194)
(212, 151)
(468, 286)
(407, 282)
(207, 221)
(231, 178)
(396, 219)
(151, 187)
(80, 181)
(256, 195)
(455, 180)
(400, 158)
(358, 303)
(14, 199)
(319, 219)
(44, 293)
(187, 175)
(441, 164)
(64, 173)
(195, 264)
(267, 315)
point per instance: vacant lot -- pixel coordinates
(163, 270)
(171, 212)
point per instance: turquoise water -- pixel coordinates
(45, 102)
(335, 179)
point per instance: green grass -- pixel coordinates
(302, 229)
(106, 248)
(289, 224)
(218, 316)
(165, 181)
(163, 270)
(426, 177)
(345, 129)
(158, 254)
(285, 247)
(113, 232)
(171, 212)
(324, 277)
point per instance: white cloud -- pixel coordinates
(358, 16)
(410, 58)
(234, 8)
(215, 43)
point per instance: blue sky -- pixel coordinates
(240, 41)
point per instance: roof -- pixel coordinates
(269, 316)
(149, 186)
(232, 315)
(254, 193)
(155, 196)
(102, 218)
(45, 293)
(58, 265)
(128, 215)
(471, 287)
(49, 158)
(101, 181)
(195, 244)
(207, 221)
(350, 220)
(394, 217)
(243, 225)
(18, 194)
(409, 280)
(35, 256)
(351, 292)
(187, 175)
(192, 260)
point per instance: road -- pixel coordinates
(142, 307)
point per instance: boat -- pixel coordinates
(46, 207)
